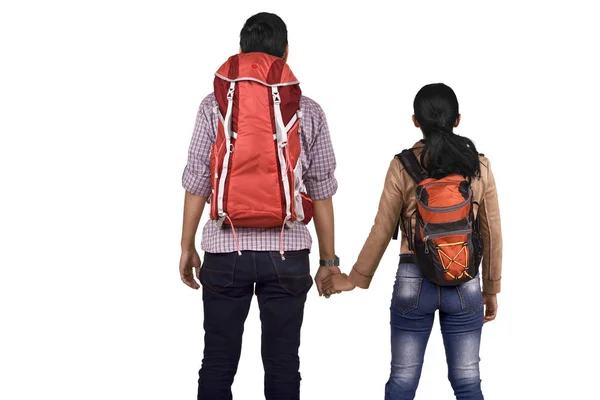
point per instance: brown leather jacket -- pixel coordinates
(398, 198)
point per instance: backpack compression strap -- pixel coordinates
(228, 136)
(282, 142)
(417, 173)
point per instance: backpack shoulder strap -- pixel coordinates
(397, 230)
(416, 172)
(412, 166)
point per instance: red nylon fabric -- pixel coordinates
(254, 195)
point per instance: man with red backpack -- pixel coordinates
(261, 156)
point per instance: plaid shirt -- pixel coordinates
(318, 164)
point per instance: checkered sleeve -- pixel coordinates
(320, 178)
(196, 175)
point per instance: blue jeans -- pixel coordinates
(229, 282)
(414, 303)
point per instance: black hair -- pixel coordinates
(265, 33)
(445, 153)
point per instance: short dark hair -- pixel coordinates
(265, 33)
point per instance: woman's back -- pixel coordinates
(398, 201)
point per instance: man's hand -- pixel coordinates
(190, 260)
(491, 307)
(322, 274)
(337, 284)
(192, 211)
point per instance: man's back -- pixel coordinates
(318, 164)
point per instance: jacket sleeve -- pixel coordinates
(390, 206)
(489, 220)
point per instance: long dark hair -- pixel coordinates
(445, 153)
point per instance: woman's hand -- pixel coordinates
(336, 284)
(491, 307)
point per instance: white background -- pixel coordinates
(97, 107)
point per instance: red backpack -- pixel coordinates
(447, 242)
(255, 163)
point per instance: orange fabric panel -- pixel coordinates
(454, 178)
(443, 217)
(445, 192)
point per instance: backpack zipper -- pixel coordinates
(437, 235)
(445, 209)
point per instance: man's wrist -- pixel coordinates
(330, 262)
(326, 254)
(188, 247)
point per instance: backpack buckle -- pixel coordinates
(276, 98)
(230, 92)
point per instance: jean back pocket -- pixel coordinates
(218, 270)
(293, 273)
(406, 293)
(471, 298)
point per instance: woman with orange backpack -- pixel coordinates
(441, 194)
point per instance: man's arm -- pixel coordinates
(192, 211)
(193, 206)
(196, 181)
(386, 219)
(321, 185)
(324, 225)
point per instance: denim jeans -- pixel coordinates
(228, 284)
(414, 303)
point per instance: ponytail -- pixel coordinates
(445, 153)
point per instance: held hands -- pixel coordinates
(337, 284)
(322, 274)
(330, 280)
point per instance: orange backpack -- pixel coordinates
(255, 163)
(447, 241)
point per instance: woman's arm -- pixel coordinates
(491, 232)
(390, 206)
